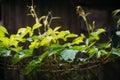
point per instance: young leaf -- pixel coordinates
(36, 26)
(45, 41)
(62, 34)
(34, 44)
(99, 31)
(70, 35)
(24, 31)
(57, 28)
(3, 31)
(21, 30)
(5, 41)
(79, 39)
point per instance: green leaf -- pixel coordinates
(31, 67)
(71, 35)
(24, 31)
(36, 26)
(79, 39)
(62, 34)
(17, 49)
(46, 40)
(57, 28)
(35, 63)
(19, 56)
(104, 45)
(55, 48)
(13, 41)
(79, 48)
(5, 41)
(68, 54)
(4, 52)
(34, 44)
(118, 23)
(116, 12)
(21, 30)
(2, 45)
(101, 53)
(3, 31)
(99, 31)
(92, 51)
(33, 38)
(93, 36)
(116, 51)
(118, 33)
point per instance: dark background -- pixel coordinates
(13, 15)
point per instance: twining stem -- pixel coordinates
(86, 23)
(34, 15)
(82, 13)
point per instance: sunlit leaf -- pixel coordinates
(79, 39)
(13, 41)
(93, 36)
(57, 28)
(34, 44)
(62, 34)
(21, 30)
(5, 41)
(45, 41)
(1, 45)
(36, 26)
(71, 35)
(24, 31)
(3, 31)
(17, 49)
(99, 31)
(50, 31)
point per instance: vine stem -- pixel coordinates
(86, 24)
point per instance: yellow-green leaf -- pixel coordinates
(35, 26)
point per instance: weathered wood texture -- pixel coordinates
(14, 16)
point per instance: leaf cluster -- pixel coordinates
(60, 49)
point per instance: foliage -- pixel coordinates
(116, 50)
(59, 48)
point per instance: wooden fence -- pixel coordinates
(14, 15)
